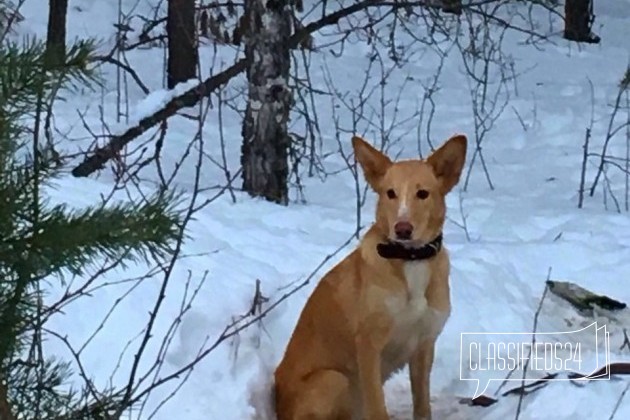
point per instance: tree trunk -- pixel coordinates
(182, 43)
(452, 6)
(5, 407)
(265, 127)
(578, 18)
(56, 36)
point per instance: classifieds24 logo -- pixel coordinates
(486, 357)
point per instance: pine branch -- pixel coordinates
(29, 395)
(26, 72)
(71, 240)
(37, 240)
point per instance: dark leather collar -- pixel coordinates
(396, 250)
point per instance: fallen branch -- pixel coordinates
(525, 389)
(616, 368)
(188, 99)
(583, 300)
(480, 401)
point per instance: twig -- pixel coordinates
(626, 341)
(610, 133)
(235, 328)
(618, 403)
(536, 315)
(587, 137)
(97, 158)
(127, 68)
(525, 389)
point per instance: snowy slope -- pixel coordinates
(526, 225)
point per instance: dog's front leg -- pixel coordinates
(420, 374)
(370, 378)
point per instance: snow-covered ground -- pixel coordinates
(528, 224)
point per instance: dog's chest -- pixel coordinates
(409, 306)
(413, 319)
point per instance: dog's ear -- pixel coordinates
(448, 162)
(374, 163)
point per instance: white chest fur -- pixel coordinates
(417, 275)
(413, 319)
(410, 304)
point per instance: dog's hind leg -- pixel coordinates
(323, 395)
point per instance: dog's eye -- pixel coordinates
(422, 194)
(391, 194)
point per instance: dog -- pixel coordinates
(381, 307)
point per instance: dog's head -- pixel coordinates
(411, 194)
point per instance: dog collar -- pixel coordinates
(395, 250)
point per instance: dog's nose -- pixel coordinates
(403, 230)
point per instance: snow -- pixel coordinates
(527, 225)
(153, 102)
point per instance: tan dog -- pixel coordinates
(381, 307)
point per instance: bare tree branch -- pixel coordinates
(97, 158)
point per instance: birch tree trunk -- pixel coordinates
(264, 151)
(182, 43)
